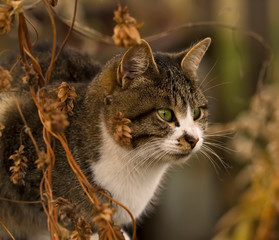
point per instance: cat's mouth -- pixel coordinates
(180, 156)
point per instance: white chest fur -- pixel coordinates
(130, 186)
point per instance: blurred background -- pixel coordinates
(206, 198)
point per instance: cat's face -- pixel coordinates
(160, 94)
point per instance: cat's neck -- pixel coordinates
(129, 184)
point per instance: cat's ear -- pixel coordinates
(136, 61)
(193, 57)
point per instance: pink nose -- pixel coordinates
(191, 140)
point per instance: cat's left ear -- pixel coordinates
(193, 57)
(135, 62)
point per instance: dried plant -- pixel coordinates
(5, 19)
(66, 97)
(18, 169)
(117, 234)
(43, 161)
(30, 77)
(7, 12)
(5, 79)
(82, 230)
(54, 119)
(125, 33)
(103, 214)
(103, 219)
(121, 132)
(257, 144)
(66, 210)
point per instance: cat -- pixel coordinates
(168, 114)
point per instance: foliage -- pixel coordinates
(257, 146)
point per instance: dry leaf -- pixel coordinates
(66, 97)
(103, 215)
(125, 33)
(66, 210)
(18, 169)
(121, 132)
(7, 13)
(5, 79)
(82, 230)
(43, 161)
(54, 119)
(5, 19)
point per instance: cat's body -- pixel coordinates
(160, 95)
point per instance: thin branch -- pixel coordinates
(88, 32)
(265, 64)
(34, 28)
(31, 6)
(48, 73)
(69, 32)
(27, 129)
(19, 201)
(126, 209)
(6, 229)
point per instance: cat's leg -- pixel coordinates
(96, 237)
(40, 236)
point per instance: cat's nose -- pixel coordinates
(191, 140)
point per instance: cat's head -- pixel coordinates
(160, 94)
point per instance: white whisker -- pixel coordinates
(206, 76)
(217, 85)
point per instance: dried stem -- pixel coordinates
(265, 64)
(69, 32)
(14, 65)
(90, 33)
(34, 28)
(126, 209)
(97, 36)
(19, 201)
(6, 229)
(48, 73)
(27, 129)
(26, 47)
(31, 6)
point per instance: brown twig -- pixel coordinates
(6, 229)
(19, 201)
(27, 129)
(48, 73)
(69, 32)
(265, 64)
(25, 47)
(14, 65)
(90, 33)
(126, 209)
(34, 28)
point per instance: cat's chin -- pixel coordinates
(179, 157)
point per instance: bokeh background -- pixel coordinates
(194, 197)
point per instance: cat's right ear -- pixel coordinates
(136, 61)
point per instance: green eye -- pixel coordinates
(197, 114)
(166, 114)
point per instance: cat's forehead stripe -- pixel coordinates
(179, 86)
